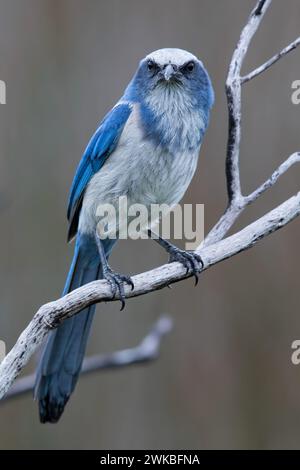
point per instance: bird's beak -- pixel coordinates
(169, 72)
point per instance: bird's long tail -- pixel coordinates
(62, 357)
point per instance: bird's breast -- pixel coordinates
(153, 174)
(144, 172)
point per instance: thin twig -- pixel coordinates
(233, 211)
(262, 68)
(294, 158)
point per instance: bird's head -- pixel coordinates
(168, 70)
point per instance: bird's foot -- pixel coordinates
(116, 282)
(189, 259)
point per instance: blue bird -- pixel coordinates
(146, 148)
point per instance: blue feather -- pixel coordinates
(101, 145)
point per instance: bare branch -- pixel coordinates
(291, 47)
(236, 203)
(233, 211)
(294, 158)
(233, 92)
(147, 351)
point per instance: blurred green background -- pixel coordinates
(224, 378)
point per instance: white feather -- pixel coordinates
(171, 55)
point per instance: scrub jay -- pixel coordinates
(146, 148)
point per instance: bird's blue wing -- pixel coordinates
(101, 145)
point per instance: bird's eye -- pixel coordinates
(190, 66)
(150, 65)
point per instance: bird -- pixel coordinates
(146, 148)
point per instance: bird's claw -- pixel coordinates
(116, 282)
(189, 259)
